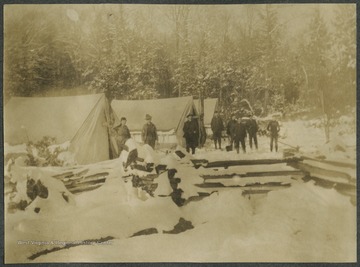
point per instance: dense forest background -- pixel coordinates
(278, 57)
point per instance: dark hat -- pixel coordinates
(147, 117)
(123, 119)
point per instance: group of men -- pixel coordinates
(237, 130)
(148, 134)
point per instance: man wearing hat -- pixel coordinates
(217, 126)
(230, 130)
(191, 133)
(274, 129)
(149, 133)
(240, 134)
(122, 134)
(252, 129)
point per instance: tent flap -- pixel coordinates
(79, 119)
(210, 105)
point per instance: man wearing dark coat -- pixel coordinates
(122, 134)
(252, 128)
(274, 128)
(217, 126)
(149, 133)
(191, 134)
(240, 135)
(230, 130)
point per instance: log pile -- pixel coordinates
(77, 181)
(339, 175)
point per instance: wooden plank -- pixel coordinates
(350, 171)
(93, 177)
(63, 175)
(100, 174)
(225, 164)
(84, 188)
(332, 162)
(258, 191)
(254, 185)
(209, 185)
(329, 175)
(87, 181)
(81, 173)
(254, 174)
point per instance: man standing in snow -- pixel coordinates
(122, 134)
(230, 129)
(217, 126)
(191, 133)
(240, 135)
(149, 133)
(274, 128)
(252, 128)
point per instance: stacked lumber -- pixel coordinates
(340, 175)
(85, 178)
(337, 172)
(78, 180)
(275, 174)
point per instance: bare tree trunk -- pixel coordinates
(202, 135)
(326, 117)
(266, 98)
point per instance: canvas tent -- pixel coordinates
(82, 120)
(210, 105)
(168, 115)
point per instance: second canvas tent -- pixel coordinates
(168, 115)
(210, 105)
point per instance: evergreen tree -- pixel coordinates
(318, 65)
(343, 74)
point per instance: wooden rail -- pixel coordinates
(230, 163)
(254, 174)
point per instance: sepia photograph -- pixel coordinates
(179, 133)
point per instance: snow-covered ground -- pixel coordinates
(300, 223)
